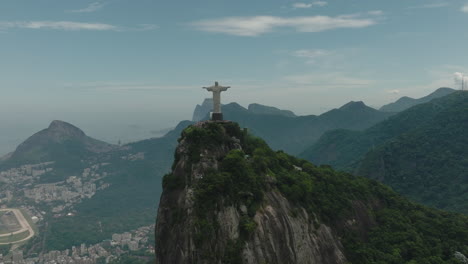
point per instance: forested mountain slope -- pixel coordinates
(231, 199)
(406, 102)
(420, 152)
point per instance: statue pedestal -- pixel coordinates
(217, 117)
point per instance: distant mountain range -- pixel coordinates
(202, 111)
(406, 102)
(285, 131)
(421, 152)
(134, 171)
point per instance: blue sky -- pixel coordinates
(124, 61)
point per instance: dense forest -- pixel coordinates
(398, 230)
(421, 152)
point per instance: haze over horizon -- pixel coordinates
(106, 65)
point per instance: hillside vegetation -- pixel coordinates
(406, 102)
(129, 202)
(62, 143)
(420, 152)
(373, 223)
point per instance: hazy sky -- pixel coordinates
(132, 60)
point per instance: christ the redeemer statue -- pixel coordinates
(217, 89)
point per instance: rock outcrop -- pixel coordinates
(201, 111)
(283, 233)
(231, 199)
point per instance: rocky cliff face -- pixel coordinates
(286, 234)
(201, 111)
(231, 199)
(274, 231)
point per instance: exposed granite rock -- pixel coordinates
(284, 233)
(201, 111)
(282, 237)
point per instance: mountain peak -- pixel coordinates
(354, 105)
(202, 110)
(59, 124)
(208, 102)
(442, 91)
(59, 129)
(228, 192)
(54, 143)
(221, 154)
(235, 105)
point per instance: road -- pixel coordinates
(24, 226)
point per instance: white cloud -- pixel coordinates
(71, 26)
(93, 7)
(258, 25)
(309, 5)
(311, 54)
(461, 79)
(58, 25)
(465, 8)
(393, 91)
(302, 5)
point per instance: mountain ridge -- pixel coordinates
(406, 102)
(414, 152)
(294, 134)
(269, 110)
